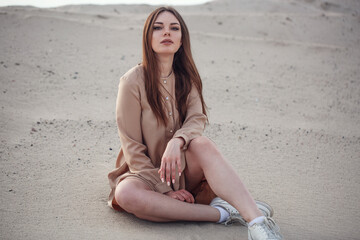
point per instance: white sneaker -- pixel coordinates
(267, 230)
(235, 216)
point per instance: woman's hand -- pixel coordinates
(181, 195)
(170, 160)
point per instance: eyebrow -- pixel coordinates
(163, 23)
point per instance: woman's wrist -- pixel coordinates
(179, 141)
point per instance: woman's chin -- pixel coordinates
(165, 53)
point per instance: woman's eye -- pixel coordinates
(175, 28)
(157, 28)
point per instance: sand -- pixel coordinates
(281, 80)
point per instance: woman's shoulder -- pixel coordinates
(134, 75)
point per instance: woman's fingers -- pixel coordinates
(167, 170)
(173, 172)
(188, 196)
(178, 162)
(170, 161)
(185, 196)
(161, 172)
(179, 196)
(167, 173)
(174, 196)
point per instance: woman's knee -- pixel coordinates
(202, 150)
(201, 144)
(128, 196)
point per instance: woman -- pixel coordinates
(165, 167)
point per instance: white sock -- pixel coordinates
(257, 220)
(223, 214)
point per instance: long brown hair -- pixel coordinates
(186, 73)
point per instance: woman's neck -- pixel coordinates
(165, 64)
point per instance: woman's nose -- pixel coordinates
(167, 32)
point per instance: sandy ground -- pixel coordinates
(282, 83)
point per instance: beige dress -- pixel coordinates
(143, 140)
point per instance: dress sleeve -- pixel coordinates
(128, 118)
(195, 119)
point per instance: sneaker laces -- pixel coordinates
(234, 218)
(271, 228)
(234, 215)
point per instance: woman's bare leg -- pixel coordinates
(204, 159)
(136, 197)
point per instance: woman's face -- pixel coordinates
(166, 37)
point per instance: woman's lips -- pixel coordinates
(167, 42)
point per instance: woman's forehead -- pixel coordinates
(166, 17)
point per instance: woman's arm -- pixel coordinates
(192, 127)
(195, 119)
(128, 118)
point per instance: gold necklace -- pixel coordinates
(167, 76)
